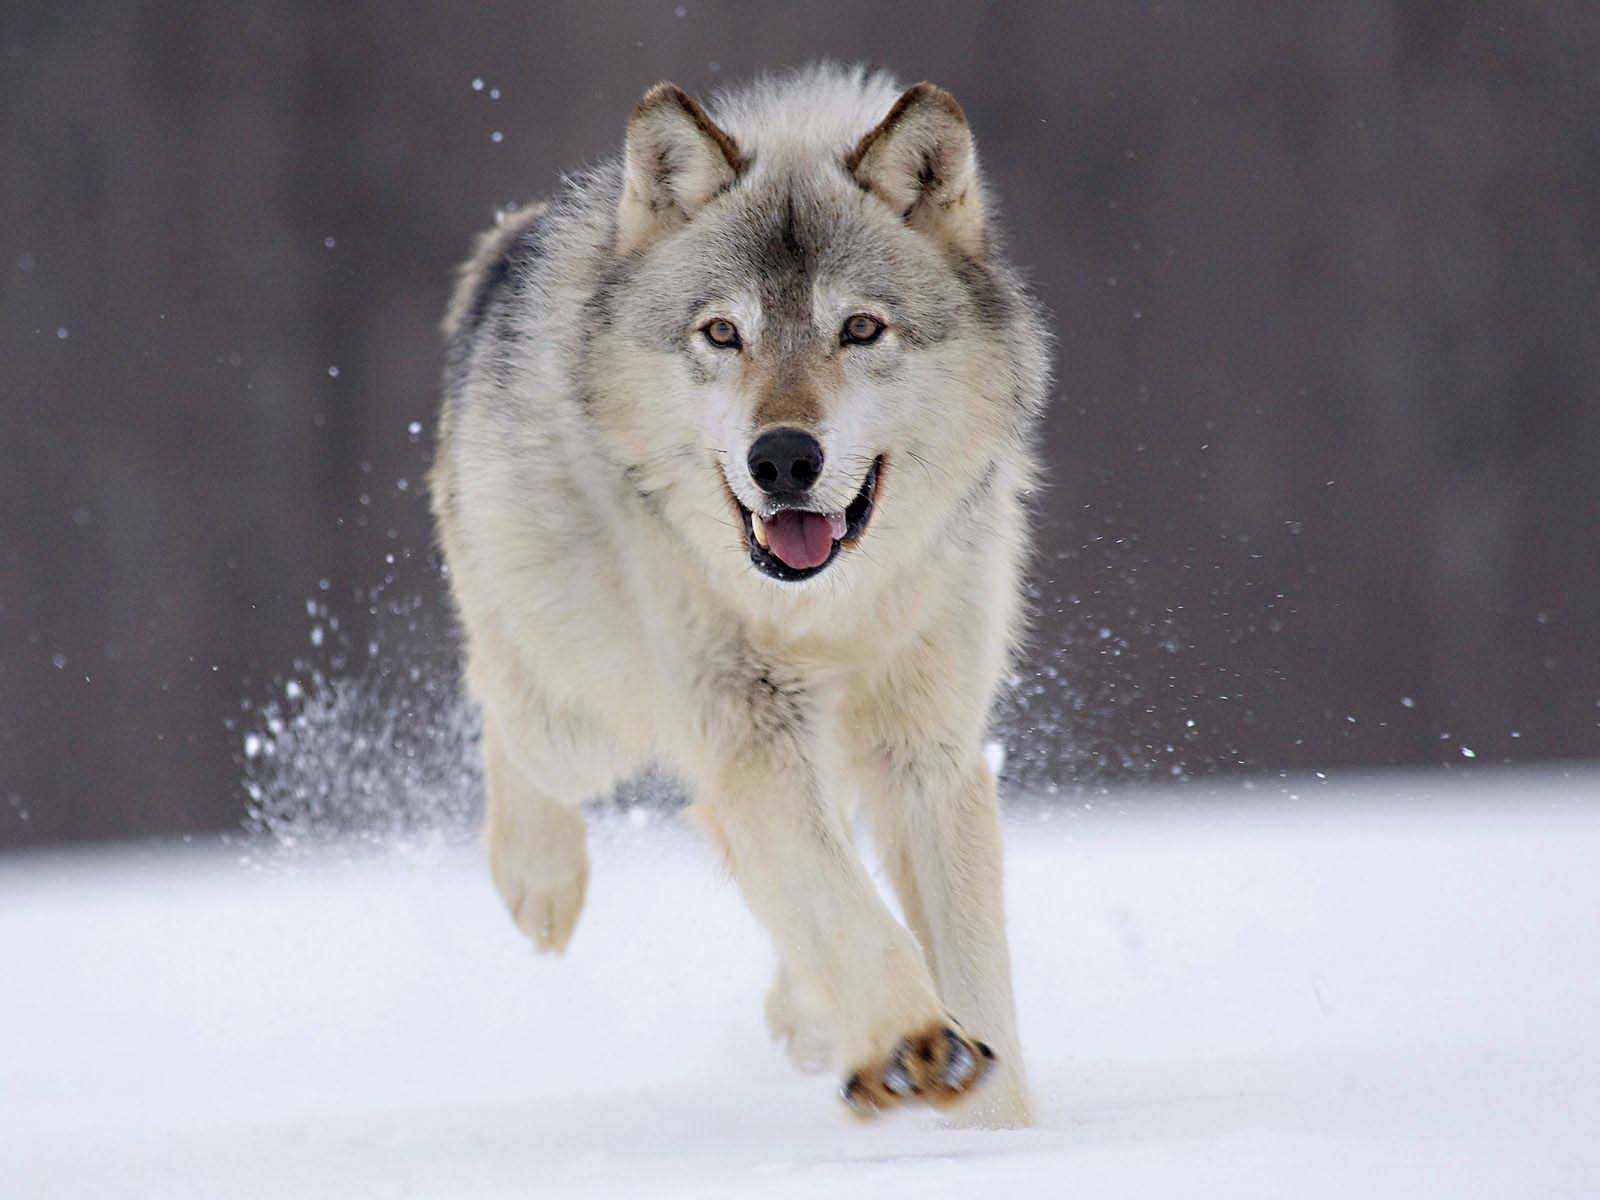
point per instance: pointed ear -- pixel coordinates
(920, 162)
(676, 160)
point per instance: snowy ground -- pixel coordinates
(1385, 989)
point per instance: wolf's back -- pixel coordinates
(511, 246)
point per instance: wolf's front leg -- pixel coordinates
(795, 862)
(938, 828)
(913, 735)
(538, 854)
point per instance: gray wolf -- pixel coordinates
(730, 477)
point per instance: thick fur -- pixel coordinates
(591, 452)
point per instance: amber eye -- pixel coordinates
(722, 332)
(860, 330)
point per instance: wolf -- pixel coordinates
(731, 477)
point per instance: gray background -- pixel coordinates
(1325, 432)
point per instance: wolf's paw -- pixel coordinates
(543, 884)
(547, 913)
(796, 1028)
(937, 1066)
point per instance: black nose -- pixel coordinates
(785, 461)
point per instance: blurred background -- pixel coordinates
(1322, 456)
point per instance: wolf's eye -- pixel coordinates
(722, 332)
(860, 330)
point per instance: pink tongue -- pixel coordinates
(802, 539)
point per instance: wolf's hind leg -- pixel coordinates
(538, 854)
(799, 1023)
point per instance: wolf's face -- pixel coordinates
(807, 352)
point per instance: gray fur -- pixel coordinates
(591, 491)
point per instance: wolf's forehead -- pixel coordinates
(788, 244)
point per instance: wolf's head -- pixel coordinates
(809, 356)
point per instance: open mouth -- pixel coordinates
(792, 544)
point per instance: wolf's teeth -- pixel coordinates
(759, 530)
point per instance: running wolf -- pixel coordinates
(731, 471)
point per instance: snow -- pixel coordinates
(1387, 988)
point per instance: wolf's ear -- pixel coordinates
(920, 161)
(676, 160)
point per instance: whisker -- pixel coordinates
(921, 462)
